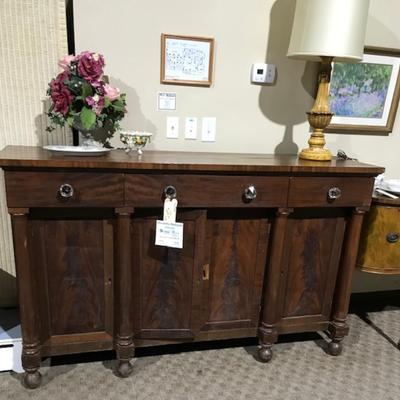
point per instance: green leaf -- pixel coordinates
(70, 120)
(88, 118)
(118, 105)
(118, 108)
(107, 102)
(86, 90)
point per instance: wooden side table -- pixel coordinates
(379, 250)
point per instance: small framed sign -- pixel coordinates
(166, 101)
(187, 60)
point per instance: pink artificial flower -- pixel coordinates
(62, 99)
(96, 102)
(90, 66)
(58, 81)
(111, 92)
(65, 62)
(60, 94)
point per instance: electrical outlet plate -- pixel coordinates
(190, 128)
(172, 127)
(208, 129)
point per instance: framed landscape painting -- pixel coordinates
(364, 96)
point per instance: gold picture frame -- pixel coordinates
(187, 60)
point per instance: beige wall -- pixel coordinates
(250, 118)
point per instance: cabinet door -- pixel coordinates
(313, 247)
(237, 246)
(72, 252)
(167, 281)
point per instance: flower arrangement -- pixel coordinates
(81, 98)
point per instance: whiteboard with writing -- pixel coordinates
(187, 60)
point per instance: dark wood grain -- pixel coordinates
(76, 281)
(36, 157)
(91, 277)
(313, 192)
(123, 289)
(169, 279)
(338, 327)
(237, 261)
(29, 306)
(273, 282)
(205, 191)
(30, 189)
(80, 343)
(311, 262)
(314, 245)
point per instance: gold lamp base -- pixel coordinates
(316, 152)
(319, 117)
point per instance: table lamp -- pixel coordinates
(324, 30)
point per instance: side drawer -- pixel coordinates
(206, 190)
(43, 189)
(315, 192)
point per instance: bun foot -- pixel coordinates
(334, 348)
(124, 369)
(265, 353)
(32, 380)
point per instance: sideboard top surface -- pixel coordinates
(36, 157)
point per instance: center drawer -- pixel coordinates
(64, 189)
(206, 191)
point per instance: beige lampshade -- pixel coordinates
(334, 28)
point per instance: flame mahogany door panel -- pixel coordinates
(167, 282)
(72, 254)
(213, 283)
(313, 244)
(237, 249)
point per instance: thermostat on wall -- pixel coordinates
(263, 73)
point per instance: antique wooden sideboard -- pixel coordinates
(269, 247)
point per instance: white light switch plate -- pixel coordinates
(190, 128)
(172, 127)
(208, 129)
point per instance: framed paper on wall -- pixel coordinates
(364, 96)
(186, 60)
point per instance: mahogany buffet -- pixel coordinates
(269, 247)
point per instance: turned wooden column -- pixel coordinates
(338, 327)
(28, 305)
(267, 331)
(123, 294)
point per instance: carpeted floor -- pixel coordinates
(368, 369)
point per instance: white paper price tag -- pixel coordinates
(169, 234)
(170, 210)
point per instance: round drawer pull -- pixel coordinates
(250, 193)
(334, 193)
(66, 191)
(393, 237)
(170, 192)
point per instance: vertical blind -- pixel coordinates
(33, 37)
